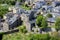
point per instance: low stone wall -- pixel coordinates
(10, 31)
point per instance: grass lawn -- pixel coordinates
(15, 36)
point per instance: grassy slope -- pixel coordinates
(14, 36)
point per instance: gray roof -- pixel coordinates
(39, 4)
(9, 15)
(46, 7)
(51, 19)
(56, 9)
(29, 12)
(11, 18)
(55, 14)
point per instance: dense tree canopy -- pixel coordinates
(12, 2)
(57, 24)
(39, 20)
(3, 10)
(23, 29)
(44, 23)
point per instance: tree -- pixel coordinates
(39, 20)
(44, 23)
(12, 2)
(57, 24)
(3, 10)
(49, 15)
(23, 29)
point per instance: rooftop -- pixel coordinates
(51, 20)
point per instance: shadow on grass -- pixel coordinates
(1, 36)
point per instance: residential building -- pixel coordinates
(11, 20)
(56, 12)
(28, 20)
(38, 4)
(56, 3)
(51, 21)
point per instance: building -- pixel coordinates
(16, 10)
(56, 12)
(56, 3)
(47, 8)
(51, 21)
(28, 20)
(38, 4)
(32, 1)
(11, 20)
